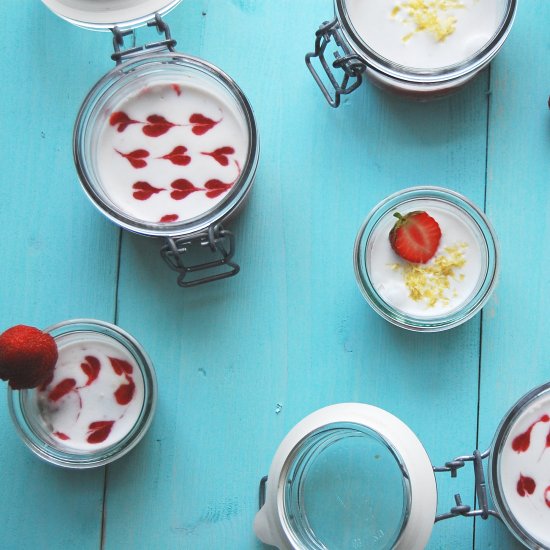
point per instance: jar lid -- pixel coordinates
(349, 475)
(103, 15)
(519, 470)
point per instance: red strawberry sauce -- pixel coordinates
(172, 151)
(95, 396)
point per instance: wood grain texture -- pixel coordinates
(241, 361)
(515, 325)
(58, 258)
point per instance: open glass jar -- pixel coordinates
(452, 286)
(99, 402)
(165, 144)
(352, 475)
(415, 48)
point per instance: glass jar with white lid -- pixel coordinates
(165, 144)
(416, 48)
(354, 476)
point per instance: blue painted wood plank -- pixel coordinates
(515, 325)
(241, 361)
(58, 257)
(291, 329)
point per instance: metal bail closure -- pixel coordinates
(480, 485)
(351, 63)
(118, 40)
(221, 243)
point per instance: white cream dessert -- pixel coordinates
(441, 285)
(525, 469)
(171, 151)
(426, 34)
(96, 395)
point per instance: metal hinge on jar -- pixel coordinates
(221, 243)
(462, 509)
(119, 35)
(351, 63)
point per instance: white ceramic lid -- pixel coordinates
(106, 14)
(272, 524)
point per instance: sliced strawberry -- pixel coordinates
(415, 237)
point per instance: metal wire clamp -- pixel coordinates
(219, 240)
(119, 35)
(480, 485)
(351, 63)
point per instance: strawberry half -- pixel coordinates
(415, 237)
(27, 357)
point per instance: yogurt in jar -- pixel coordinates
(524, 469)
(171, 151)
(444, 283)
(96, 394)
(426, 34)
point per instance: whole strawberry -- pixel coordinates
(415, 237)
(27, 357)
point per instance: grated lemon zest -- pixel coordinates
(428, 16)
(430, 283)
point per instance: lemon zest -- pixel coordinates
(428, 16)
(430, 283)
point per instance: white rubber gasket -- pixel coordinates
(269, 524)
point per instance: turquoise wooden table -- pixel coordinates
(240, 361)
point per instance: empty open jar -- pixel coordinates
(354, 476)
(99, 402)
(417, 48)
(166, 145)
(451, 286)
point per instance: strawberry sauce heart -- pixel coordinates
(202, 124)
(120, 366)
(157, 126)
(221, 155)
(99, 431)
(91, 368)
(63, 388)
(177, 156)
(145, 190)
(182, 189)
(125, 392)
(526, 486)
(216, 188)
(135, 158)
(121, 120)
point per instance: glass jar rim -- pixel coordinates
(447, 74)
(74, 460)
(426, 324)
(269, 523)
(122, 17)
(495, 485)
(302, 459)
(224, 209)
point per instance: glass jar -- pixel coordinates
(447, 291)
(317, 497)
(519, 469)
(418, 49)
(89, 14)
(104, 379)
(352, 475)
(166, 145)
